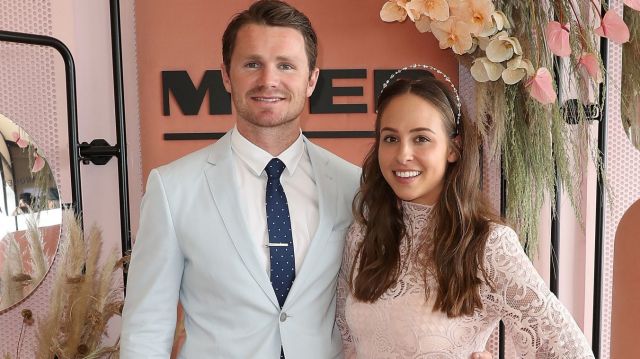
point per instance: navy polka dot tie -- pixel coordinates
(283, 265)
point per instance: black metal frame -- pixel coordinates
(72, 112)
(121, 144)
(503, 214)
(98, 151)
(600, 200)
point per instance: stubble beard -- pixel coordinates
(267, 119)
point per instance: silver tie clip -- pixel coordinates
(277, 245)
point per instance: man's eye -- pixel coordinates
(286, 67)
(252, 65)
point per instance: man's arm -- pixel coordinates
(155, 272)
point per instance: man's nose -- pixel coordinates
(269, 77)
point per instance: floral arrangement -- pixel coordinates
(15, 280)
(84, 298)
(512, 49)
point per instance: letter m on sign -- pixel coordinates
(189, 97)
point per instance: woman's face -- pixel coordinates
(414, 149)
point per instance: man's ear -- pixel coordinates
(313, 81)
(453, 155)
(225, 78)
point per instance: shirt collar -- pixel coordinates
(257, 159)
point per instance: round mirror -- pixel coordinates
(30, 215)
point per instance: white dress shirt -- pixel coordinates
(299, 187)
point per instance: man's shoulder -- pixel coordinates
(186, 162)
(193, 162)
(336, 163)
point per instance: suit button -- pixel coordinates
(283, 316)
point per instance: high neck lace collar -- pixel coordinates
(416, 216)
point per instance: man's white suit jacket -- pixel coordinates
(193, 246)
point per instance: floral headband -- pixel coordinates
(436, 70)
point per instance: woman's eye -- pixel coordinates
(389, 139)
(422, 139)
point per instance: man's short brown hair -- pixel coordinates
(271, 13)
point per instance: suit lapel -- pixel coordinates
(225, 195)
(327, 202)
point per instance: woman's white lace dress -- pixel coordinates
(402, 324)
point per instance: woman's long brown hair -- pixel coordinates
(460, 220)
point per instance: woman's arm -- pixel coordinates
(539, 325)
(343, 291)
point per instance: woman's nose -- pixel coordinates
(405, 153)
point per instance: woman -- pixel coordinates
(429, 270)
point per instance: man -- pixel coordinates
(211, 223)
(203, 236)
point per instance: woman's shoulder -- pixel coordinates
(355, 235)
(501, 230)
(356, 231)
(502, 242)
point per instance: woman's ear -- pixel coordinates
(453, 154)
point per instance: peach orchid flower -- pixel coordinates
(38, 163)
(613, 28)
(21, 142)
(423, 24)
(459, 9)
(557, 36)
(589, 64)
(483, 42)
(540, 87)
(634, 4)
(484, 70)
(452, 34)
(517, 69)
(435, 9)
(394, 10)
(502, 47)
(498, 22)
(481, 11)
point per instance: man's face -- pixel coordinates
(268, 77)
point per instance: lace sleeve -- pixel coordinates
(540, 326)
(353, 236)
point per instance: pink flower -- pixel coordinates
(558, 38)
(38, 163)
(613, 28)
(540, 87)
(589, 63)
(634, 4)
(21, 142)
